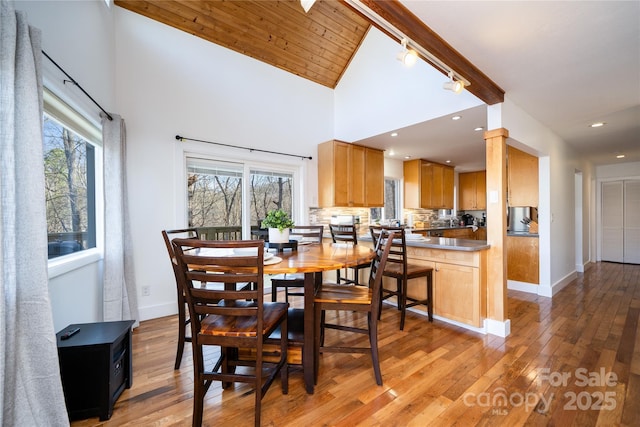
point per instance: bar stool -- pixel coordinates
(398, 268)
(347, 233)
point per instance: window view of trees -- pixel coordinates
(68, 193)
(215, 200)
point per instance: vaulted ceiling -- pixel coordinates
(556, 59)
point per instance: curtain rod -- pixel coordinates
(181, 138)
(76, 83)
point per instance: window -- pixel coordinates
(391, 209)
(69, 148)
(220, 194)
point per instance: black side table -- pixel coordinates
(95, 365)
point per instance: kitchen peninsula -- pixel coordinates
(459, 277)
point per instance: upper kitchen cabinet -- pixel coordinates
(522, 175)
(472, 191)
(427, 185)
(350, 175)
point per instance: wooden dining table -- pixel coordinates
(313, 260)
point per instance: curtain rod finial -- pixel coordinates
(178, 137)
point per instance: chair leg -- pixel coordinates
(199, 388)
(274, 292)
(317, 338)
(373, 342)
(402, 305)
(430, 296)
(181, 332)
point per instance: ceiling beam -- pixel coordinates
(399, 17)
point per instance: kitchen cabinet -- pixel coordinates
(458, 233)
(522, 259)
(472, 191)
(522, 178)
(459, 283)
(350, 175)
(427, 185)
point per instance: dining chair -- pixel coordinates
(183, 318)
(356, 298)
(229, 314)
(400, 269)
(305, 234)
(348, 234)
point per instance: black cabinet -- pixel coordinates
(95, 365)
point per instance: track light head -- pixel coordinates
(456, 86)
(408, 57)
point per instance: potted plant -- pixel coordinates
(278, 222)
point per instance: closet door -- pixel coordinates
(612, 221)
(631, 233)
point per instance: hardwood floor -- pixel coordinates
(565, 358)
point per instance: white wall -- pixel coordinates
(78, 36)
(378, 94)
(168, 83)
(558, 163)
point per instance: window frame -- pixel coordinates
(79, 123)
(187, 150)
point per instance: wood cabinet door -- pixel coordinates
(341, 174)
(467, 191)
(523, 259)
(412, 184)
(426, 186)
(522, 176)
(457, 293)
(447, 187)
(355, 173)
(481, 190)
(374, 178)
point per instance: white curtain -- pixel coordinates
(120, 298)
(30, 388)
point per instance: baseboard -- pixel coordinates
(560, 284)
(156, 311)
(497, 327)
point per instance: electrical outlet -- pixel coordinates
(146, 291)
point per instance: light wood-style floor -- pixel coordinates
(573, 360)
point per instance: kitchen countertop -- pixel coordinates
(522, 234)
(442, 243)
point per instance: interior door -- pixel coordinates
(612, 222)
(631, 232)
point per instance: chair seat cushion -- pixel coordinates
(413, 270)
(352, 294)
(232, 326)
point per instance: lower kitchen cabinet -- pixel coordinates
(459, 283)
(523, 260)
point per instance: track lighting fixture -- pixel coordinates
(407, 56)
(453, 85)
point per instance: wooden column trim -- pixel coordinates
(496, 156)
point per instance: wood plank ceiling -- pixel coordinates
(317, 45)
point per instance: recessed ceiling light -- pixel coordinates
(447, 161)
(597, 124)
(392, 153)
(478, 128)
(456, 117)
(407, 157)
(620, 156)
(394, 134)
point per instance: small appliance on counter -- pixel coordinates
(345, 219)
(467, 219)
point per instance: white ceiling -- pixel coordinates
(566, 63)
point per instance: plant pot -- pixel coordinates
(277, 236)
